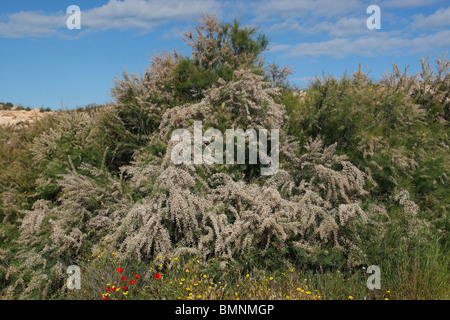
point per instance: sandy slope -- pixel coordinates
(19, 117)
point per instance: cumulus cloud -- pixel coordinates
(31, 24)
(280, 47)
(439, 19)
(342, 27)
(282, 9)
(439, 40)
(114, 15)
(408, 3)
(381, 43)
(142, 14)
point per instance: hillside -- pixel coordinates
(8, 117)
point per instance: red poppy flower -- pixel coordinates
(104, 298)
(113, 289)
(119, 270)
(132, 282)
(136, 276)
(124, 288)
(157, 276)
(123, 278)
(108, 289)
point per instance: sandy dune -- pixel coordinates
(19, 117)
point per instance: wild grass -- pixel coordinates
(190, 278)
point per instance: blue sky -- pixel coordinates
(43, 63)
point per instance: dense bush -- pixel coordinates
(363, 174)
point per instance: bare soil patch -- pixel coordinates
(20, 117)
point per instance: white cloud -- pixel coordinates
(342, 27)
(441, 18)
(115, 15)
(31, 24)
(281, 9)
(439, 40)
(142, 14)
(379, 44)
(279, 47)
(288, 25)
(407, 3)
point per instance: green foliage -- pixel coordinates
(190, 80)
(99, 176)
(380, 129)
(6, 106)
(243, 41)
